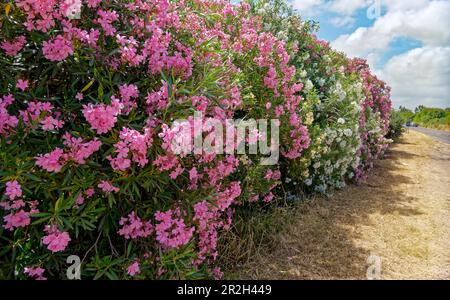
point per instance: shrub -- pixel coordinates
(85, 112)
(344, 106)
(395, 125)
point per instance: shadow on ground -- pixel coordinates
(321, 243)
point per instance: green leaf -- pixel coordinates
(87, 86)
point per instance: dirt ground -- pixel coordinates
(401, 215)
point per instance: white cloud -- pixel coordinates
(348, 7)
(308, 7)
(343, 21)
(419, 76)
(428, 24)
(343, 9)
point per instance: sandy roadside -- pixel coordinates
(401, 215)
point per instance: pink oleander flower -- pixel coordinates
(55, 240)
(207, 219)
(35, 273)
(22, 85)
(16, 204)
(127, 93)
(19, 203)
(217, 273)
(101, 117)
(107, 187)
(172, 232)
(269, 197)
(53, 161)
(49, 123)
(13, 220)
(7, 121)
(133, 269)
(270, 174)
(161, 271)
(13, 190)
(80, 151)
(57, 49)
(34, 110)
(133, 227)
(105, 19)
(194, 177)
(90, 38)
(94, 3)
(90, 192)
(177, 172)
(271, 78)
(166, 162)
(129, 51)
(158, 100)
(200, 102)
(12, 48)
(40, 15)
(134, 143)
(79, 96)
(78, 201)
(300, 141)
(226, 197)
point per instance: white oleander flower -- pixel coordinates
(308, 85)
(348, 132)
(303, 74)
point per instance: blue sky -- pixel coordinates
(406, 42)
(330, 31)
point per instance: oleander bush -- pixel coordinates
(86, 112)
(395, 125)
(346, 108)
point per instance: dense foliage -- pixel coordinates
(86, 112)
(396, 124)
(427, 117)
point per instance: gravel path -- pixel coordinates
(401, 215)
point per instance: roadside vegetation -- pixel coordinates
(429, 117)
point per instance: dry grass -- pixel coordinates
(444, 127)
(402, 214)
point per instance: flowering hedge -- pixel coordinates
(86, 108)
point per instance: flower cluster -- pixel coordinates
(131, 141)
(55, 239)
(57, 49)
(12, 48)
(18, 215)
(133, 227)
(36, 273)
(77, 151)
(101, 117)
(171, 231)
(107, 187)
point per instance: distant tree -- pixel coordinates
(419, 108)
(404, 109)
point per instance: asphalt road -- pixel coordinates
(441, 136)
